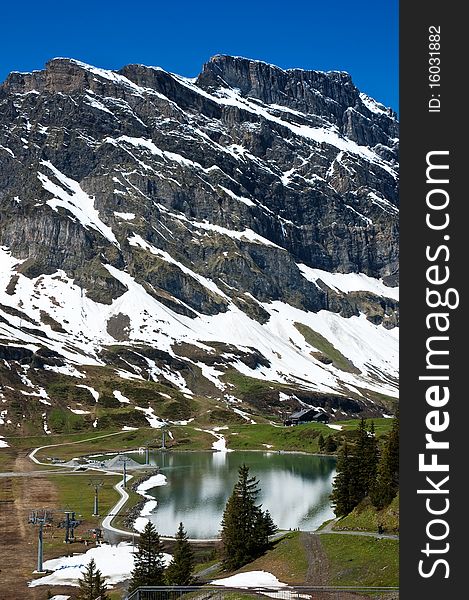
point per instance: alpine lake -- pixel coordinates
(294, 487)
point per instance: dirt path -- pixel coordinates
(318, 565)
(318, 568)
(18, 548)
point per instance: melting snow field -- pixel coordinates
(149, 507)
(114, 562)
(220, 444)
(70, 196)
(250, 579)
(371, 348)
(350, 282)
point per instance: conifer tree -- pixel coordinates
(370, 459)
(92, 584)
(364, 465)
(330, 444)
(269, 524)
(148, 562)
(264, 528)
(181, 567)
(382, 492)
(364, 471)
(393, 452)
(387, 481)
(343, 495)
(321, 442)
(245, 527)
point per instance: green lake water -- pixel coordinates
(295, 489)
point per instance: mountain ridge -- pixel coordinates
(206, 213)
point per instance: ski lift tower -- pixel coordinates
(124, 472)
(70, 523)
(40, 517)
(96, 484)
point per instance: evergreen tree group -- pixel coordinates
(149, 564)
(92, 584)
(328, 444)
(245, 526)
(365, 469)
(387, 480)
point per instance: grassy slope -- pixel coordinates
(33, 441)
(382, 425)
(75, 493)
(287, 560)
(362, 561)
(315, 339)
(353, 560)
(366, 518)
(186, 437)
(302, 438)
(7, 459)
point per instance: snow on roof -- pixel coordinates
(303, 412)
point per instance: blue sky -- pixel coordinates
(359, 36)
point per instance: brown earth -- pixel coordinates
(18, 548)
(318, 565)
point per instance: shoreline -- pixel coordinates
(212, 451)
(149, 499)
(122, 502)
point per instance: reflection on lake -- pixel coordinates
(295, 489)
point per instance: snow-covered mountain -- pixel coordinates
(213, 245)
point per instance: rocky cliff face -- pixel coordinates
(191, 233)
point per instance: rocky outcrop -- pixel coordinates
(203, 196)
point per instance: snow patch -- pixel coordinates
(349, 282)
(124, 216)
(91, 390)
(152, 419)
(373, 105)
(71, 197)
(120, 397)
(246, 416)
(78, 411)
(154, 481)
(114, 562)
(150, 506)
(220, 444)
(250, 579)
(69, 370)
(242, 199)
